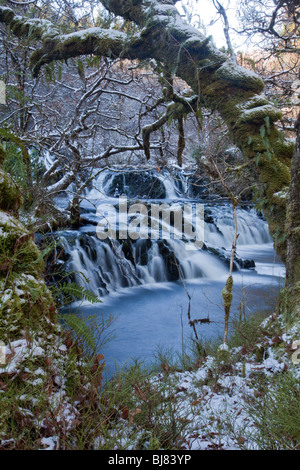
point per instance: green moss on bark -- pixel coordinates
(10, 194)
(2, 155)
(25, 301)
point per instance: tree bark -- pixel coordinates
(292, 285)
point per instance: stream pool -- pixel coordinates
(152, 318)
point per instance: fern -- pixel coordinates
(80, 292)
(72, 291)
(14, 164)
(84, 333)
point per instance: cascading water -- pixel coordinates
(143, 278)
(98, 267)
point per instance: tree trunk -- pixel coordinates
(236, 93)
(292, 287)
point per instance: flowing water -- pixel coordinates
(146, 283)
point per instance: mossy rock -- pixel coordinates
(18, 252)
(25, 304)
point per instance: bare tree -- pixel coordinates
(273, 30)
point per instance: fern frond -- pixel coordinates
(84, 334)
(70, 292)
(74, 290)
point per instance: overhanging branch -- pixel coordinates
(236, 93)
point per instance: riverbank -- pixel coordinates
(52, 397)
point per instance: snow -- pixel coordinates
(282, 194)
(6, 219)
(96, 32)
(49, 443)
(168, 14)
(62, 348)
(266, 109)
(216, 414)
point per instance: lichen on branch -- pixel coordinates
(219, 83)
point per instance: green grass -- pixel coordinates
(276, 413)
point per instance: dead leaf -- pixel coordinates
(125, 412)
(48, 361)
(165, 367)
(132, 414)
(196, 402)
(241, 440)
(100, 357)
(277, 340)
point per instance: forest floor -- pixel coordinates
(53, 396)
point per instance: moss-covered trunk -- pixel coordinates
(25, 301)
(236, 93)
(292, 288)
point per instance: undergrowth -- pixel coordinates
(55, 394)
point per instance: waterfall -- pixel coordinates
(105, 266)
(251, 229)
(149, 282)
(97, 266)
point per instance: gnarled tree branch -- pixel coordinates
(236, 93)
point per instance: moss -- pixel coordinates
(24, 301)
(290, 304)
(227, 292)
(10, 194)
(6, 15)
(254, 102)
(258, 114)
(235, 75)
(17, 248)
(10, 227)
(2, 155)
(272, 167)
(283, 149)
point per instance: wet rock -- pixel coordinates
(137, 185)
(171, 263)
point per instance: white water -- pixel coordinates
(150, 311)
